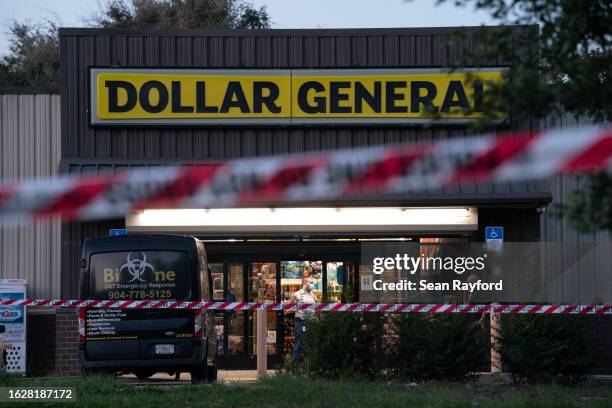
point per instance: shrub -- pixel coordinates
(441, 347)
(343, 344)
(542, 349)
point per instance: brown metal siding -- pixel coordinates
(580, 279)
(82, 48)
(30, 147)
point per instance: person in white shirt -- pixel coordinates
(302, 296)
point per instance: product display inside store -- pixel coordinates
(292, 273)
(263, 289)
(268, 282)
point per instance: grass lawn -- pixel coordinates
(285, 391)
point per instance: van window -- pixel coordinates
(140, 275)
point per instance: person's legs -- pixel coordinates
(299, 331)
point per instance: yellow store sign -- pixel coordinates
(134, 96)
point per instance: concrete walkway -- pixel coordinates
(240, 375)
(223, 376)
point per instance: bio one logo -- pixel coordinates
(136, 266)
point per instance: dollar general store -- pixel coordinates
(131, 98)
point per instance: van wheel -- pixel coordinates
(211, 373)
(199, 373)
(143, 374)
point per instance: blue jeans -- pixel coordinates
(299, 332)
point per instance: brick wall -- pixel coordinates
(41, 345)
(67, 342)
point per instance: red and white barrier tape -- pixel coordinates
(317, 307)
(314, 177)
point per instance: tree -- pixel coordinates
(235, 14)
(565, 67)
(33, 57)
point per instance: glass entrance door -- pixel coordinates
(236, 343)
(263, 288)
(228, 285)
(272, 281)
(291, 275)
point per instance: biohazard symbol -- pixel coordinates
(136, 267)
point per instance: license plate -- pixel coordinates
(164, 349)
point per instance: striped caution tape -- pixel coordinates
(404, 168)
(316, 307)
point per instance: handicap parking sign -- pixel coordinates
(494, 238)
(494, 233)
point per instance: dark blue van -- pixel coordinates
(146, 341)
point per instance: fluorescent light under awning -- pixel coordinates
(307, 219)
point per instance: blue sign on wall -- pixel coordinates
(494, 233)
(115, 232)
(494, 238)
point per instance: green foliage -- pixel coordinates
(590, 208)
(251, 18)
(181, 14)
(287, 391)
(426, 347)
(543, 349)
(33, 58)
(343, 344)
(440, 347)
(565, 66)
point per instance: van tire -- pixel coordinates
(143, 374)
(199, 373)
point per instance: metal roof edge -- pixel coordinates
(216, 32)
(29, 90)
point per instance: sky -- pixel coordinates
(284, 13)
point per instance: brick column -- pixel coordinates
(67, 342)
(41, 342)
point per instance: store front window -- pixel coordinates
(336, 281)
(216, 271)
(235, 320)
(292, 273)
(262, 286)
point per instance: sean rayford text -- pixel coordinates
(412, 264)
(425, 285)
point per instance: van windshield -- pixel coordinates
(140, 275)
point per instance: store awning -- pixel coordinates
(519, 194)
